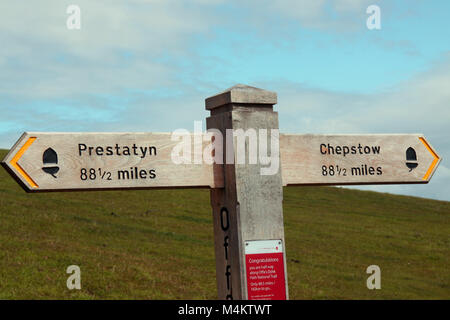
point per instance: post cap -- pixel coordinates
(241, 93)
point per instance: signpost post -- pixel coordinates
(246, 197)
(249, 209)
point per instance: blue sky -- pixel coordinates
(143, 65)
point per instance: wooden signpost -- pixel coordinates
(247, 205)
(249, 209)
(357, 159)
(101, 161)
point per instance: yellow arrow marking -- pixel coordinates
(435, 161)
(19, 169)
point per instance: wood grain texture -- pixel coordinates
(241, 94)
(303, 160)
(253, 202)
(120, 170)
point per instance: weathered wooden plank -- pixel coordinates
(94, 161)
(143, 160)
(356, 159)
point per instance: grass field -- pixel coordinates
(158, 244)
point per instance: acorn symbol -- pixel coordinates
(50, 157)
(411, 159)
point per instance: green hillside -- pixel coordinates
(158, 244)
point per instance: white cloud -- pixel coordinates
(135, 44)
(121, 44)
(326, 15)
